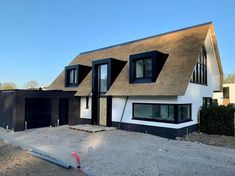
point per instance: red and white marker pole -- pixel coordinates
(77, 158)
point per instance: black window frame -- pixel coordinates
(157, 60)
(199, 75)
(176, 120)
(68, 69)
(81, 70)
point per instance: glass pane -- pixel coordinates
(148, 67)
(103, 73)
(171, 112)
(75, 76)
(139, 69)
(156, 111)
(184, 112)
(143, 111)
(164, 111)
(71, 76)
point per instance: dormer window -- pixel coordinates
(145, 67)
(74, 74)
(72, 77)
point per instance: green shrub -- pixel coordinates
(217, 120)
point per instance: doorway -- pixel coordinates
(63, 111)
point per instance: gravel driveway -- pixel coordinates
(113, 153)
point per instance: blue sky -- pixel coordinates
(38, 37)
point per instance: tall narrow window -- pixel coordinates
(102, 81)
(200, 71)
(71, 77)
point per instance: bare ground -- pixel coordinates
(215, 140)
(122, 153)
(16, 161)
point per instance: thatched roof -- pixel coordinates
(183, 47)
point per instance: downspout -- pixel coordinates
(124, 108)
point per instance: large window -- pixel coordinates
(200, 71)
(145, 67)
(173, 113)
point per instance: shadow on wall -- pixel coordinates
(7, 109)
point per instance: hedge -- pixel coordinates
(217, 120)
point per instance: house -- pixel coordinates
(227, 96)
(154, 85)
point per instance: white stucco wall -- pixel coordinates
(85, 113)
(219, 97)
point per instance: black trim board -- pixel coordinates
(158, 131)
(84, 121)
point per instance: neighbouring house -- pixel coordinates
(154, 85)
(227, 96)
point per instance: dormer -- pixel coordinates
(74, 74)
(145, 67)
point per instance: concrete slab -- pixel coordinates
(92, 128)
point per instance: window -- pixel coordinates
(145, 67)
(184, 113)
(226, 92)
(71, 77)
(172, 113)
(102, 80)
(200, 71)
(207, 101)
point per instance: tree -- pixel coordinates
(31, 85)
(8, 86)
(229, 78)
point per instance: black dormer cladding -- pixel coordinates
(158, 61)
(82, 71)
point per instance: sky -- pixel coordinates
(38, 38)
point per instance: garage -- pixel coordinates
(37, 112)
(26, 109)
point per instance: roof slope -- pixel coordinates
(183, 47)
